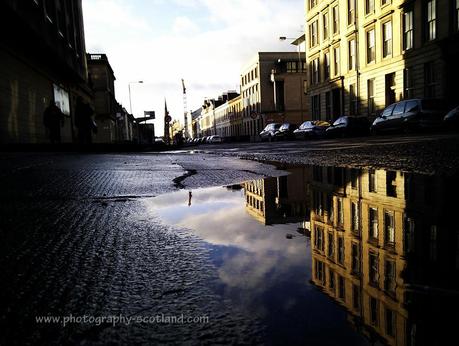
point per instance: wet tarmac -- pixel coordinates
(320, 255)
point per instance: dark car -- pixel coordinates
(410, 114)
(312, 129)
(451, 120)
(269, 131)
(286, 131)
(349, 126)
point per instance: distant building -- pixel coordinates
(365, 55)
(273, 90)
(42, 59)
(280, 200)
(102, 80)
(195, 123)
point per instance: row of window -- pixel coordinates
(335, 176)
(389, 282)
(332, 105)
(337, 282)
(373, 220)
(249, 77)
(429, 22)
(64, 15)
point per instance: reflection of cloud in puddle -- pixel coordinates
(218, 216)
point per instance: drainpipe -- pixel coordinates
(357, 58)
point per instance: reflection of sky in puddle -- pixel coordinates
(258, 267)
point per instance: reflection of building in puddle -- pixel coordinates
(279, 200)
(379, 239)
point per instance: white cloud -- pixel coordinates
(184, 26)
(203, 41)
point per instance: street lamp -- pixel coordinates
(297, 42)
(129, 87)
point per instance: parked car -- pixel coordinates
(312, 129)
(269, 131)
(451, 120)
(285, 131)
(215, 139)
(410, 114)
(349, 126)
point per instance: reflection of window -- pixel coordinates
(341, 287)
(391, 184)
(389, 228)
(373, 265)
(408, 37)
(373, 311)
(371, 180)
(373, 223)
(319, 239)
(354, 178)
(341, 250)
(389, 276)
(390, 322)
(331, 245)
(340, 212)
(320, 271)
(355, 216)
(330, 208)
(331, 279)
(355, 254)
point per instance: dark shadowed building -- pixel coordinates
(42, 59)
(102, 80)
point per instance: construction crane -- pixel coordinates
(185, 111)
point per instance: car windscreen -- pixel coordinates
(339, 121)
(305, 125)
(284, 127)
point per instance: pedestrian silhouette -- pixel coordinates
(84, 122)
(190, 195)
(53, 119)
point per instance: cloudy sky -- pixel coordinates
(206, 42)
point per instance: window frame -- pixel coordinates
(387, 43)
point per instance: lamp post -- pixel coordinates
(297, 42)
(129, 87)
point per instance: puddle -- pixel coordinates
(381, 265)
